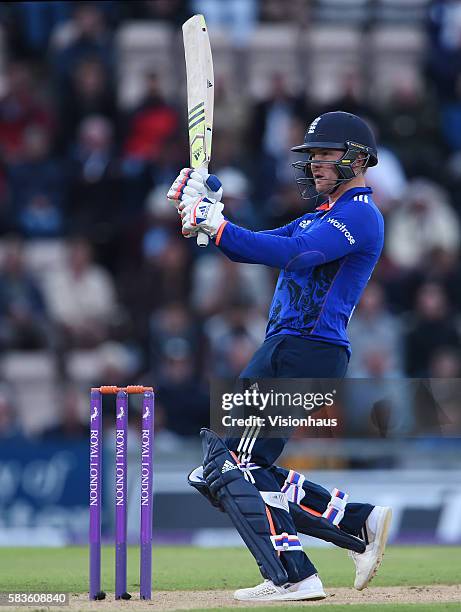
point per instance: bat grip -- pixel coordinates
(202, 238)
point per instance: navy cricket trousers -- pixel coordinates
(285, 356)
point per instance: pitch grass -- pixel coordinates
(188, 568)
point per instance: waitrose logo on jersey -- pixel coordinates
(343, 229)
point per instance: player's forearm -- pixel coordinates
(285, 230)
(234, 256)
(228, 252)
(270, 250)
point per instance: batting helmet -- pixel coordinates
(343, 131)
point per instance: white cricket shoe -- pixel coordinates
(376, 530)
(309, 588)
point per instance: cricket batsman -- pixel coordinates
(325, 260)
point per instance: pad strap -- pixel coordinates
(246, 467)
(293, 487)
(336, 506)
(286, 543)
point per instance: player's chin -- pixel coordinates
(323, 186)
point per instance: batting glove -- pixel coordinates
(202, 214)
(192, 184)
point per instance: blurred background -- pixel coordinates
(97, 286)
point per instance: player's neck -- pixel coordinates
(358, 181)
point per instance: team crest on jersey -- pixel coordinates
(305, 222)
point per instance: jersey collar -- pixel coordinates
(350, 193)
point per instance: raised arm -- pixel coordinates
(333, 239)
(284, 231)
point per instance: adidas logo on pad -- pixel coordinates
(228, 466)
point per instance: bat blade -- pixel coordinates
(200, 96)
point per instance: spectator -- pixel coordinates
(374, 331)
(230, 106)
(441, 266)
(157, 267)
(86, 36)
(95, 195)
(236, 16)
(387, 180)
(117, 363)
(151, 124)
(167, 265)
(179, 394)
(23, 317)
(452, 179)
(376, 406)
(238, 349)
(271, 126)
(232, 334)
(445, 363)
(227, 150)
(409, 127)
(375, 363)
(10, 424)
(422, 222)
(162, 223)
(444, 66)
(285, 205)
(444, 267)
(238, 204)
(352, 98)
(168, 11)
(275, 11)
(20, 107)
(35, 22)
(73, 422)
(37, 187)
(273, 123)
(81, 298)
(431, 328)
(171, 327)
(216, 282)
(113, 362)
(88, 93)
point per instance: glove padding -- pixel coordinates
(202, 214)
(192, 184)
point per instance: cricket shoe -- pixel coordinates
(309, 588)
(375, 533)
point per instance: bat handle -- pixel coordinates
(202, 238)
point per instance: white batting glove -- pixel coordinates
(192, 184)
(202, 214)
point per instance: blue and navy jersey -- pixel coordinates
(325, 259)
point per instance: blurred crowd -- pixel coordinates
(78, 169)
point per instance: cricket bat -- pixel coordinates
(200, 96)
